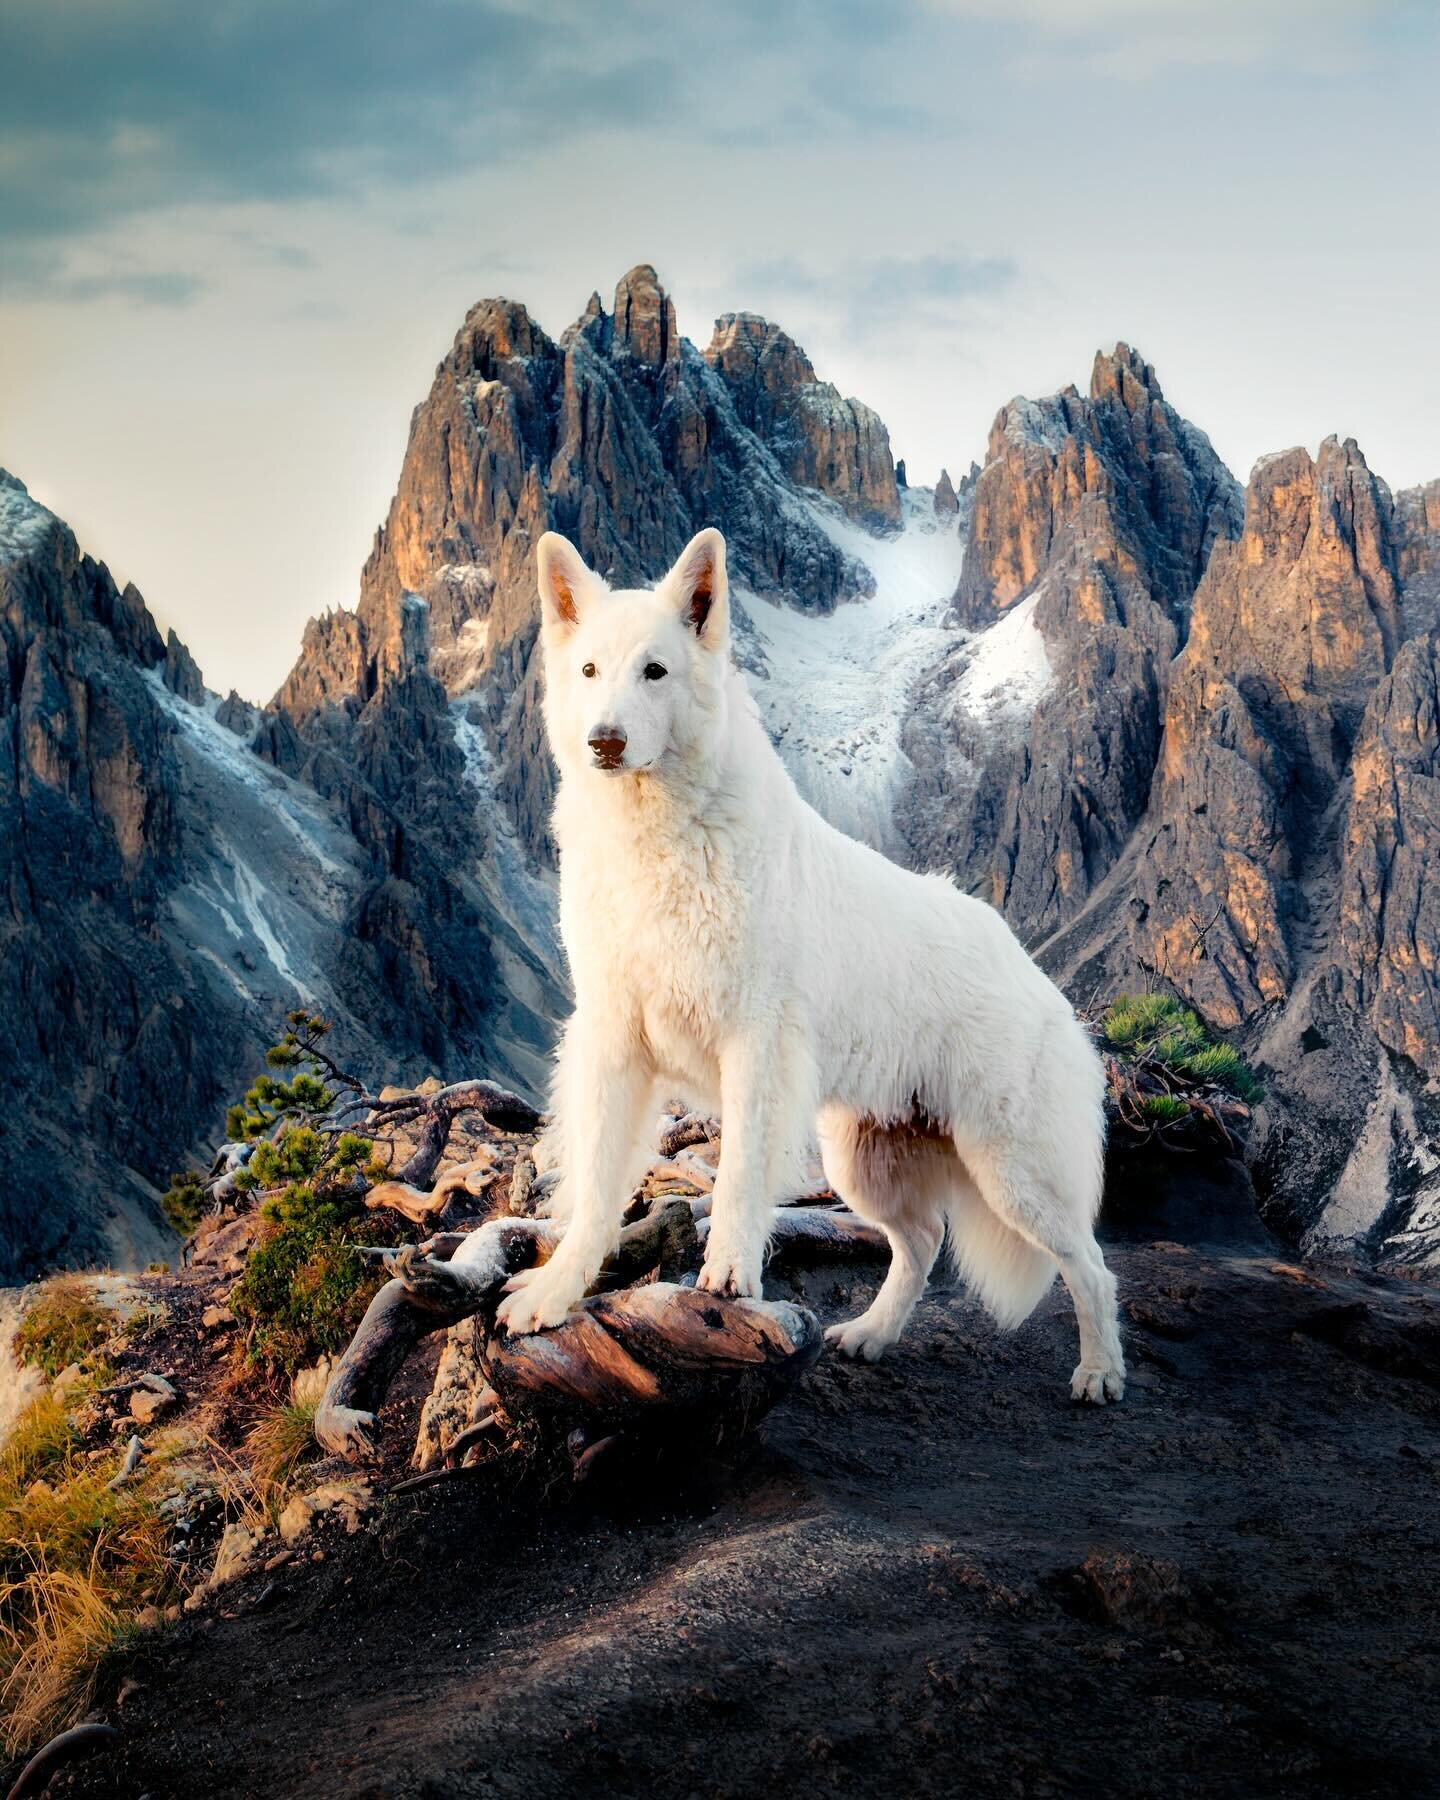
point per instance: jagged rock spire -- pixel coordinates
(644, 317)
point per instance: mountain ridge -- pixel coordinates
(1056, 680)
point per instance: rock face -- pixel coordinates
(1294, 624)
(1387, 956)
(820, 440)
(1089, 526)
(1276, 873)
(171, 896)
(624, 438)
(95, 1001)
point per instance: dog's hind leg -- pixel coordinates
(899, 1181)
(1046, 1196)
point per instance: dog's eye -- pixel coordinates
(588, 671)
(655, 671)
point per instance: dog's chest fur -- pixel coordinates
(655, 913)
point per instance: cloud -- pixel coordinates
(1137, 39)
(42, 271)
(864, 298)
(111, 109)
(116, 109)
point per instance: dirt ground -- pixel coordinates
(933, 1576)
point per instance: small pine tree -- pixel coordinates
(309, 1092)
(184, 1201)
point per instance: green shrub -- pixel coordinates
(1157, 1028)
(1223, 1065)
(308, 1093)
(305, 1289)
(1163, 1109)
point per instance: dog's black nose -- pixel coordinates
(608, 743)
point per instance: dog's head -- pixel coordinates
(636, 675)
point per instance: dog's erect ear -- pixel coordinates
(566, 585)
(700, 589)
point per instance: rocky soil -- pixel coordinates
(928, 1576)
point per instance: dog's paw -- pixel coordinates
(1096, 1386)
(735, 1275)
(861, 1338)
(538, 1298)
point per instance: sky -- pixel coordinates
(235, 239)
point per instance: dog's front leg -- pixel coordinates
(761, 1116)
(605, 1083)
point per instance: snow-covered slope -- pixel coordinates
(837, 690)
(270, 882)
(833, 689)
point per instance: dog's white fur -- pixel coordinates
(729, 945)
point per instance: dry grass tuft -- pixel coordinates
(76, 1561)
(63, 1324)
(65, 1623)
(280, 1443)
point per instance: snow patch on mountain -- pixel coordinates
(278, 875)
(23, 520)
(834, 690)
(1007, 671)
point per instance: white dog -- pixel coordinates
(729, 945)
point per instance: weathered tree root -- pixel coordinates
(80, 1740)
(431, 1117)
(423, 1208)
(655, 1360)
(423, 1295)
(624, 1359)
(692, 1128)
(802, 1237)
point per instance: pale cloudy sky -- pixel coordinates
(236, 238)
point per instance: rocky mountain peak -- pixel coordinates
(495, 330)
(47, 585)
(619, 435)
(1117, 478)
(181, 673)
(644, 317)
(946, 502)
(756, 357)
(1124, 375)
(820, 439)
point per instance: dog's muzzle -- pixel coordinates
(608, 745)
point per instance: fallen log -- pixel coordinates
(659, 1360)
(623, 1362)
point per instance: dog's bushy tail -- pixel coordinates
(1007, 1274)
